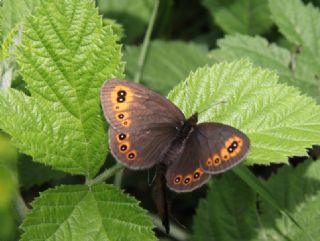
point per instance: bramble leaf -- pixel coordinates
(240, 16)
(83, 213)
(167, 63)
(278, 120)
(258, 50)
(227, 213)
(300, 24)
(296, 189)
(65, 57)
(13, 13)
(133, 15)
(41, 174)
(230, 212)
(269, 56)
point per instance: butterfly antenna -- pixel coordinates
(187, 94)
(209, 107)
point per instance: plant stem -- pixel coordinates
(118, 179)
(146, 42)
(106, 174)
(175, 231)
(20, 207)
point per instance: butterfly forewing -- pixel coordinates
(222, 146)
(185, 174)
(131, 107)
(143, 123)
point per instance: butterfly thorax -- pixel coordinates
(178, 144)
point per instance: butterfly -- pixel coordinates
(146, 129)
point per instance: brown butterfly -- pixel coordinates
(146, 129)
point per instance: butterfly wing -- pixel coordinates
(186, 174)
(132, 107)
(222, 146)
(143, 123)
(140, 150)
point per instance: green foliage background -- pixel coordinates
(247, 63)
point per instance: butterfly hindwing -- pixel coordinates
(222, 146)
(185, 174)
(131, 107)
(140, 150)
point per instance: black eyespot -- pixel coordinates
(217, 160)
(177, 180)
(187, 180)
(123, 147)
(234, 144)
(122, 93)
(125, 123)
(122, 136)
(131, 155)
(225, 157)
(230, 149)
(120, 99)
(196, 175)
(121, 116)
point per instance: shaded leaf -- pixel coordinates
(240, 16)
(40, 173)
(269, 56)
(228, 212)
(258, 50)
(297, 190)
(300, 24)
(133, 15)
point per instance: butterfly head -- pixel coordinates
(193, 120)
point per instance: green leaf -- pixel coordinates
(8, 228)
(300, 24)
(240, 16)
(258, 50)
(228, 212)
(8, 172)
(296, 189)
(167, 63)
(133, 15)
(278, 120)
(13, 13)
(269, 56)
(65, 57)
(40, 173)
(99, 212)
(8, 186)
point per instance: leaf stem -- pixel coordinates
(146, 42)
(106, 174)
